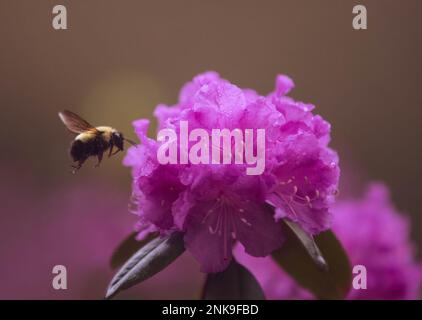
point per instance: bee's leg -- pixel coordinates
(77, 167)
(110, 151)
(115, 152)
(100, 157)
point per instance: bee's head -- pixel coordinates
(118, 139)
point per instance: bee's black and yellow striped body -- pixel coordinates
(91, 141)
(90, 144)
(95, 143)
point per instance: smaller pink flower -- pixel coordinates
(375, 235)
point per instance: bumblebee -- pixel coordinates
(90, 140)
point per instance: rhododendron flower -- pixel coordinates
(218, 204)
(374, 235)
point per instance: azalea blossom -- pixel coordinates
(216, 205)
(375, 235)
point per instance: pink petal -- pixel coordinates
(257, 229)
(211, 249)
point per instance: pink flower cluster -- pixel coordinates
(216, 205)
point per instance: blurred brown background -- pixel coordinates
(119, 59)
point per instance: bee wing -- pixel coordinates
(74, 122)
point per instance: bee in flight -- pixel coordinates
(91, 141)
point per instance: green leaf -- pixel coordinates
(146, 262)
(309, 244)
(127, 248)
(320, 265)
(234, 283)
